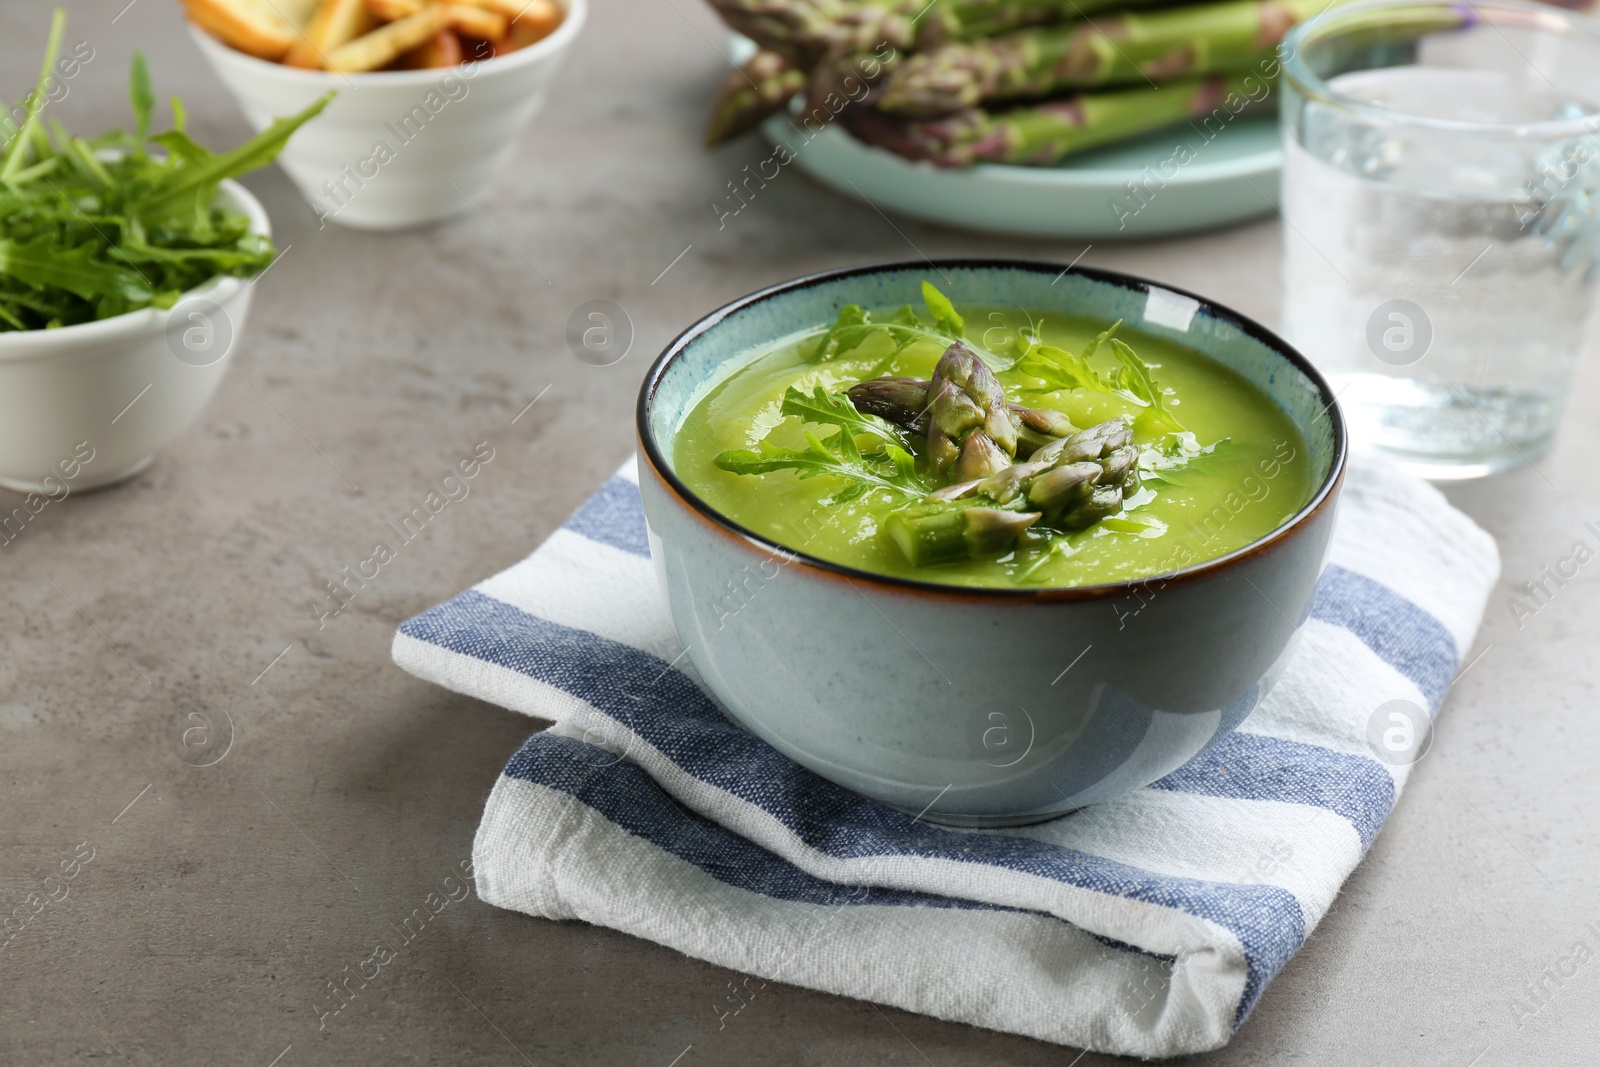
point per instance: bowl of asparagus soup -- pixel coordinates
(986, 540)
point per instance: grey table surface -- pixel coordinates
(220, 901)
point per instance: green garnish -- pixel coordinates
(831, 409)
(94, 228)
(1131, 380)
(970, 473)
(945, 318)
(890, 466)
(855, 325)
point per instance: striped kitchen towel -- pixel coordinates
(1148, 925)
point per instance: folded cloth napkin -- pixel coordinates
(1146, 926)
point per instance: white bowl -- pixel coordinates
(446, 132)
(101, 398)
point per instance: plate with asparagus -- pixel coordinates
(1048, 118)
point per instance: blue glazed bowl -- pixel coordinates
(982, 707)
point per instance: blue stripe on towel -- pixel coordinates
(1402, 634)
(629, 797)
(1252, 767)
(613, 516)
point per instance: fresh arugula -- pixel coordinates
(890, 466)
(832, 409)
(945, 318)
(1060, 369)
(854, 325)
(1131, 380)
(1133, 376)
(94, 228)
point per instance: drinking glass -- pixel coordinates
(1442, 162)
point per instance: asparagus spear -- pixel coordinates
(970, 432)
(904, 402)
(845, 71)
(1069, 484)
(932, 534)
(807, 30)
(1124, 49)
(1046, 133)
(761, 87)
(949, 20)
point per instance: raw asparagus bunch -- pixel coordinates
(1046, 133)
(957, 82)
(766, 82)
(1126, 49)
(1068, 484)
(835, 39)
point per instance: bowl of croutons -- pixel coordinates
(431, 95)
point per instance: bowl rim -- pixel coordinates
(1324, 495)
(1548, 18)
(18, 345)
(574, 13)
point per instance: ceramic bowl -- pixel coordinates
(1042, 701)
(99, 399)
(398, 148)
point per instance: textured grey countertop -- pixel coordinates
(221, 900)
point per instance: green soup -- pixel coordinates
(1227, 468)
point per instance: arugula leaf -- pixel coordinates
(1134, 376)
(1060, 369)
(16, 150)
(844, 460)
(904, 323)
(892, 467)
(831, 409)
(1132, 380)
(852, 327)
(182, 146)
(141, 96)
(257, 152)
(945, 317)
(42, 265)
(95, 227)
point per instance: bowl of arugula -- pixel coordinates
(125, 277)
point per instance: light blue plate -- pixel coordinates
(1140, 188)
